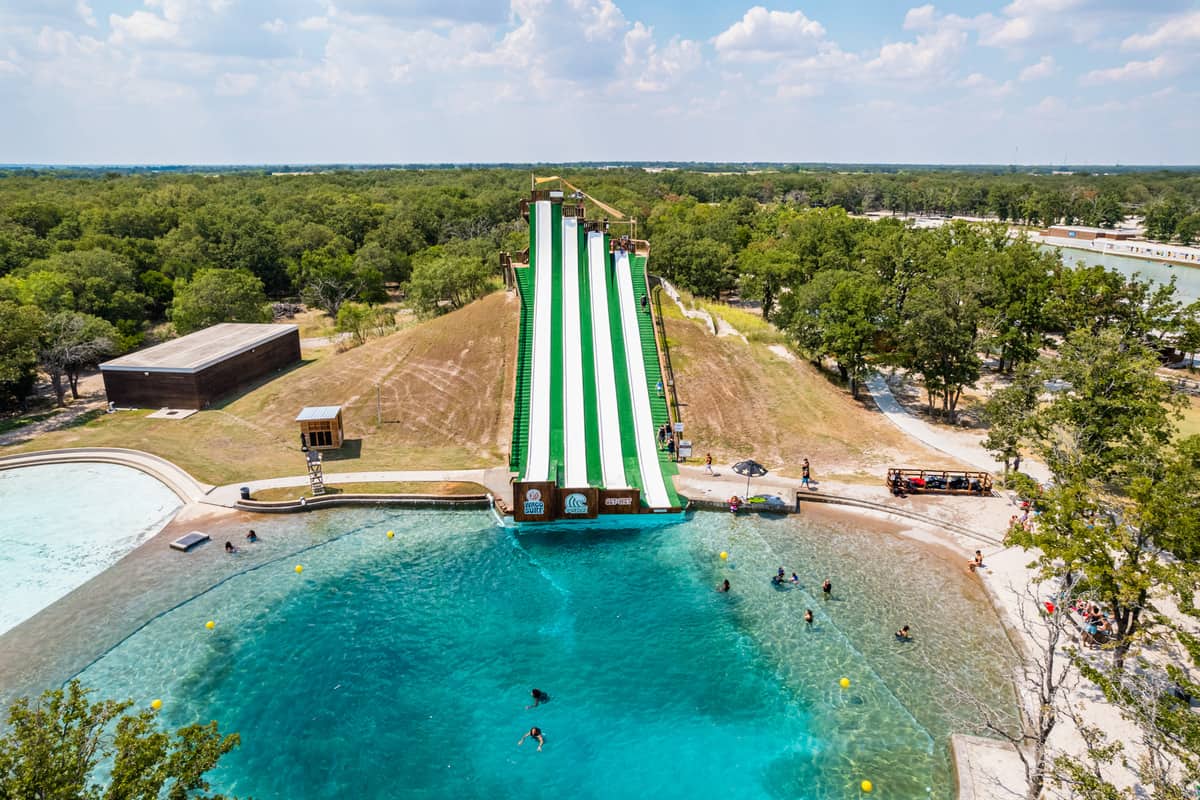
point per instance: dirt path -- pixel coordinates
(91, 398)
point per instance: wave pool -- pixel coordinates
(403, 666)
(61, 524)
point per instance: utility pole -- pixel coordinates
(378, 404)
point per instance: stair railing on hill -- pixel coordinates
(664, 353)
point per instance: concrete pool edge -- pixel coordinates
(175, 478)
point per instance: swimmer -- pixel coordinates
(229, 548)
(795, 579)
(724, 587)
(534, 733)
(903, 635)
(827, 588)
(780, 573)
(539, 697)
(808, 617)
(252, 536)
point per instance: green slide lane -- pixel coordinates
(591, 416)
(524, 374)
(557, 438)
(633, 472)
(649, 342)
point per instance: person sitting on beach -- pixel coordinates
(534, 733)
(976, 562)
(539, 697)
(252, 536)
(724, 587)
(229, 548)
(903, 635)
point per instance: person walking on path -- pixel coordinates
(708, 463)
(805, 475)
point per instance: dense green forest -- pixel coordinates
(92, 260)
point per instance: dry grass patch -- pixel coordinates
(440, 488)
(1189, 425)
(741, 401)
(445, 388)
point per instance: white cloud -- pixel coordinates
(1025, 20)
(315, 24)
(980, 84)
(761, 35)
(274, 26)
(1181, 30)
(142, 26)
(1049, 105)
(927, 58)
(1044, 68)
(651, 69)
(234, 84)
(1131, 71)
(85, 13)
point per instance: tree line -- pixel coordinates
(92, 261)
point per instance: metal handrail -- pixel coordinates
(665, 357)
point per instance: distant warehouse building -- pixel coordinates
(194, 370)
(1086, 234)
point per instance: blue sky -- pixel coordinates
(234, 81)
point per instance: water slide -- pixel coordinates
(537, 463)
(611, 459)
(654, 488)
(574, 431)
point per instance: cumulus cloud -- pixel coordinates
(142, 26)
(763, 34)
(1049, 105)
(649, 68)
(1181, 30)
(980, 84)
(275, 26)
(235, 84)
(85, 13)
(1044, 68)
(927, 58)
(1131, 71)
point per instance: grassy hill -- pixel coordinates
(446, 391)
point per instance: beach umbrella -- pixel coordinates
(751, 469)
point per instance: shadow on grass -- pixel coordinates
(350, 450)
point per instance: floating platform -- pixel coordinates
(189, 540)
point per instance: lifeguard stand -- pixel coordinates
(320, 427)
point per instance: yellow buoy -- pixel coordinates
(391, 534)
(210, 624)
(844, 683)
(299, 569)
(156, 704)
(724, 555)
(866, 786)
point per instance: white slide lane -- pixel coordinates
(612, 463)
(575, 440)
(537, 465)
(654, 490)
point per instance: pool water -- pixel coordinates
(403, 666)
(47, 549)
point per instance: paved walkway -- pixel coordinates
(494, 480)
(966, 447)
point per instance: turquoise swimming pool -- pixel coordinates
(402, 667)
(61, 524)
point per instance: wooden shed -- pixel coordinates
(320, 427)
(194, 370)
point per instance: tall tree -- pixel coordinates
(54, 747)
(72, 341)
(939, 338)
(218, 295)
(20, 335)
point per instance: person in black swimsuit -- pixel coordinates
(827, 588)
(808, 617)
(534, 733)
(539, 697)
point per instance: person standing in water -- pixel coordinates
(539, 697)
(808, 617)
(827, 588)
(724, 587)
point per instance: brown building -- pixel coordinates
(194, 370)
(320, 427)
(1086, 234)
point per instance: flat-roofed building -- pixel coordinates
(194, 370)
(1086, 233)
